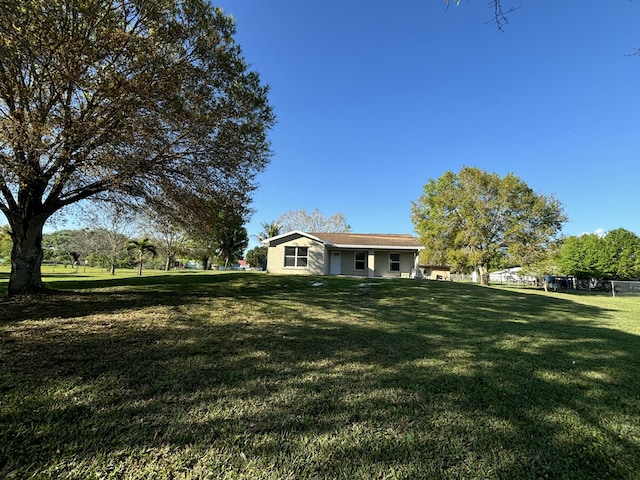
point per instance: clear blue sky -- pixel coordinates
(375, 98)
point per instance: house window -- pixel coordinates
(360, 260)
(296, 256)
(394, 262)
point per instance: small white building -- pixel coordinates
(510, 275)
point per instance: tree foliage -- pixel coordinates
(231, 241)
(474, 218)
(269, 230)
(164, 228)
(314, 221)
(62, 246)
(5, 243)
(141, 248)
(146, 98)
(114, 223)
(616, 256)
(256, 257)
(210, 224)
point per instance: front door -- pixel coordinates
(336, 263)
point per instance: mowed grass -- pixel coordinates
(247, 375)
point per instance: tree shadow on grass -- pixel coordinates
(94, 296)
(421, 378)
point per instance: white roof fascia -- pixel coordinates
(378, 247)
(267, 241)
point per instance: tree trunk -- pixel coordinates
(483, 270)
(167, 265)
(26, 257)
(205, 262)
(140, 267)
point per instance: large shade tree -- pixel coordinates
(146, 98)
(474, 217)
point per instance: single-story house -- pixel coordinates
(354, 254)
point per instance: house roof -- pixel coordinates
(391, 241)
(369, 240)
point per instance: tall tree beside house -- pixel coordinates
(314, 221)
(141, 249)
(476, 217)
(144, 98)
(269, 230)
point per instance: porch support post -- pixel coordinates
(371, 264)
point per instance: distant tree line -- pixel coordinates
(121, 235)
(614, 256)
(98, 247)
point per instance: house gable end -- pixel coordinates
(289, 237)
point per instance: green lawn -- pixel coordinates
(245, 375)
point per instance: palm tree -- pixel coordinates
(269, 230)
(141, 248)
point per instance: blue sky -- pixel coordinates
(375, 98)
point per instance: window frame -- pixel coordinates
(393, 263)
(299, 260)
(363, 261)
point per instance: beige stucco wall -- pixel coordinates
(349, 263)
(316, 255)
(378, 263)
(407, 263)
